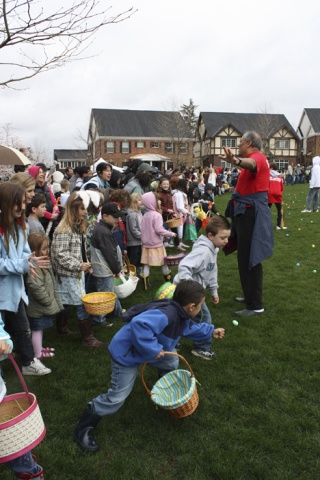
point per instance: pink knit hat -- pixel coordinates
(33, 171)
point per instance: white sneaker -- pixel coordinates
(180, 248)
(36, 368)
(315, 211)
(166, 244)
(305, 211)
(278, 228)
(184, 246)
(284, 228)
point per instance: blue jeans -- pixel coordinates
(289, 180)
(122, 381)
(81, 312)
(106, 284)
(24, 464)
(204, 316)
(313, 196)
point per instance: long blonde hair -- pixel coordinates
(23, 179)
(135, 197)
(70, 221)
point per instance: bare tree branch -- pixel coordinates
(48, 38)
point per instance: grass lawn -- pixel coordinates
(258, 416)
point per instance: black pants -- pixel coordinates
(279, 215)
(134, 254)
(19, 328)
(251, 279)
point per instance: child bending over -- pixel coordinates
(152, 329)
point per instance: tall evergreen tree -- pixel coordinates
(189, 115)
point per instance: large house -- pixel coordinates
(309, 132)
(215, 130)
(118, 135)
(70, 158)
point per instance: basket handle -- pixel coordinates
(102, 264)
(17, 369)
(126, 260)
(166, 353)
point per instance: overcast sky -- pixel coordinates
(227, 56)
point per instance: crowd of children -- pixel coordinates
(94, 228)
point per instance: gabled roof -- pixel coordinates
(139, 123)
(314, 118)
(242, 122)
(70, 154)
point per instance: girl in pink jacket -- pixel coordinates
(152, 234)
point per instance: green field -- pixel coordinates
(258, 416)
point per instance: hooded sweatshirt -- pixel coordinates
(200, 265)
(152, 328)
(315, 173)
(152, 230)
(275, 187)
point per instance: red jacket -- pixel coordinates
(275, 187)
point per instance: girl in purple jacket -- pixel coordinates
(152, 234)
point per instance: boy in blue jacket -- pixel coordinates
(151, 329)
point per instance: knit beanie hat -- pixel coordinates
(33, 171)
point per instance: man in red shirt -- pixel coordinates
(252, 223)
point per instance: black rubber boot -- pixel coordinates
(83, 432)
(168, 277)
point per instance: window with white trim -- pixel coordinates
(229, 142)
(110, 147)
(155, 144)
(140, 144)
(169, 147)
(125, 147)
(282, 144)
(183, 148)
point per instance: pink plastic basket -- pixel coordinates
(21, 424)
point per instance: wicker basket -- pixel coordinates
(176, 391)
(174, 260)
(99, 303)
(128, 268)
(21, 424)
(174, 222)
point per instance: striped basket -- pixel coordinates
(176, 391)
(21, 424)
(174, 260)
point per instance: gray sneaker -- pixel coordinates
(36, 368)
(203, 354)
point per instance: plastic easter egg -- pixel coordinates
(235, 323)
(165, 291)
